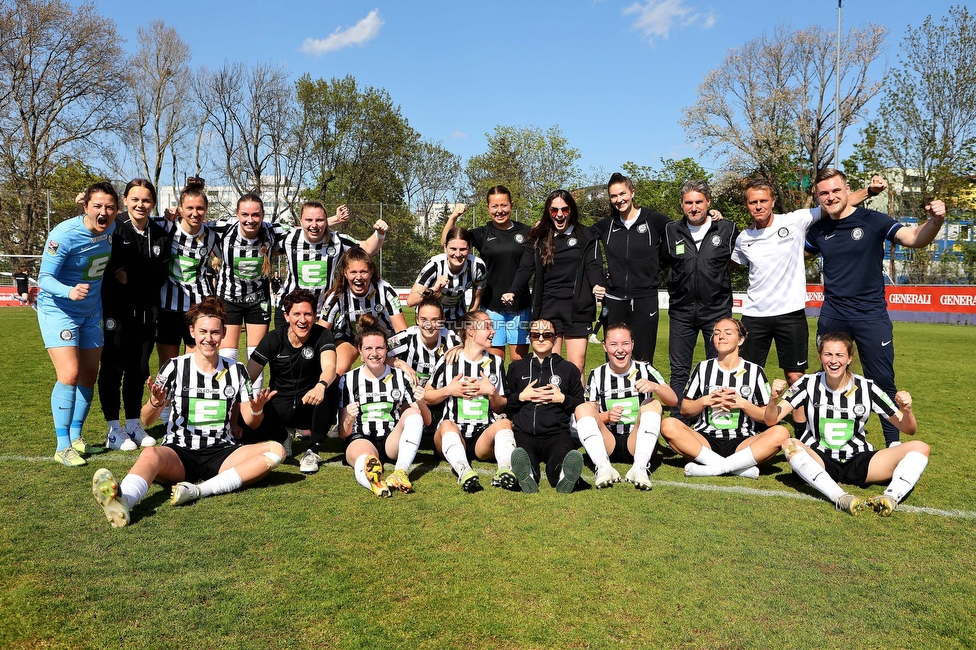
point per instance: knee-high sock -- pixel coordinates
(227, 481)
(906, 475)
(454, 452)
(62, 406)
(359, 469)
(413, 430)
(737, 462)
(645, 443)
(810, 471)
(133, 488)
(708, 457)
(257, 383)
(83, 400)
(504, 446)
(592, 439)
(228, 353)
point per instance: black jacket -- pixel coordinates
(145, 259)
(700, 281)
(633, 254)
(543, 420)
(588, 274)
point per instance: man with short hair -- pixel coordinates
(851, 244)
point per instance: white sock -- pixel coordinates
(592, 439)
(648, 431)
(504, 446)
(133, 489)
(359, 469)
(810, 471)
(708, 457)
(227, 481)
(258, 382)
(906, 475)
(454, 452)
(413, 430)
(736, 463)
(228, 353)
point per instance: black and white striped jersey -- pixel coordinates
(187, 282)
(836, 419)
(312, 266)
(471, 276)
(380, 400)
(240, 277)
(748, 379)
(203, 403)
(608, 390)
(469, 414)
(409, 347)
(343, 310)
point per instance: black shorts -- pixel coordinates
(470, 442)
(252, 313)
(722, 446)
(851, 472)
(620, 453)
(791, 333)
(379, 443)
(171, 328)
(560, 313)
(202, 464)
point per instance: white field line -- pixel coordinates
(705, 487)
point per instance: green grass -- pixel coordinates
(318, 562)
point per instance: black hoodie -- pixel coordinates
(543, 420)
(633, 254)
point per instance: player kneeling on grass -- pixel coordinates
(629, 418)
(544, 393)
(206, 392)
(833, 449)
(726, 396)
(381, 414)
(471, 385)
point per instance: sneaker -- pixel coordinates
(184, 492)
(572, 468)
(83, 447)
(117, 438)
(638, 476)
(606, 476)
(310, 462)
(106, 491)
(139, 435)
(849, 503)
(69, 457)
(522, 468)
(469, 481)
(505, 479)
(398, 480)
(374, 473)
(882, 504)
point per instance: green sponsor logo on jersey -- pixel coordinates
(313, 273)
(207, 412)
(183, 269)
(835, 433)
(248, 268)
(631, 407)
(377, 412)
(473, 410)
(723, 419)
(96, 266)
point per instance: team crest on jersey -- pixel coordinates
(52, 247)
(156, 250)
(330, 251)
(859, 410)
(519, 239)
(745, 391)
(229, 391)
(307, 353)
(66, 335)
(555, 380)
(395, 393)
(493, 379)
(110, 324)
(716, 240)
(378, 309)
(642, 228)
(571, 241)
(783, 232)
(856, 234)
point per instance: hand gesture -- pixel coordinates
(381, 227)
(457, 387)
(78, 292)
(877, 186)
(646, 386)
(260, 398)
(484, 385)
(616, 413)
(315, 396)
(157, 393)
(715, 215)
(528, 393)
(419, 392)
(903, 400)
(557, 395)
(779, 387)
(352, 410)
(341, 215)
(936, 209)
(508, 298)
(459, 209)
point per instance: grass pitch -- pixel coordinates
(317, 561)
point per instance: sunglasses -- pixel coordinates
(554, 210)
(542, 336)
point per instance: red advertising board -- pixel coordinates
(925, 302)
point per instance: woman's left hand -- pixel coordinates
(260, 398)
(599, 291)
(315, 396)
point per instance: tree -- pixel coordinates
(768, 106)
(59, 67)
(926, 125)
(529, 161)
(430, 175)
(160, 84)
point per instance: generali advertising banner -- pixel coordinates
(932, 303)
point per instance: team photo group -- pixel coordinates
(493, 370)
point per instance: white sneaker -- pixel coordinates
(117, 438)
(310, 462)
(139, 435)
(606, 476)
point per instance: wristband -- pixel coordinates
(324, 383)
(257, 413)
(380, 236)
(154, 404)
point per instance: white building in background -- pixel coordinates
(223, 200)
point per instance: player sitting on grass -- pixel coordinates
(206, 392)
(629, 417)
(833, 448)
(725, 396)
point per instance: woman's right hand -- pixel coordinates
(508, 298)
(78, 292)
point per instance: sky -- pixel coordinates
(614, 75)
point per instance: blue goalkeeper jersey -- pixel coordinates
(73, 255)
